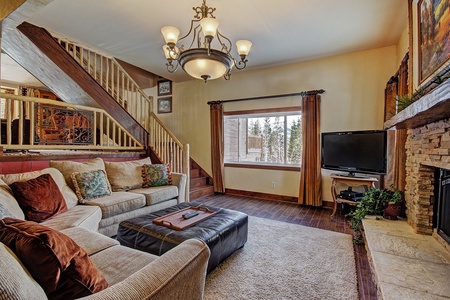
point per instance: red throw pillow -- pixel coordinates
(39, 198)
(61, 267)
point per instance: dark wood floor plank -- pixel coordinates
(317, 217)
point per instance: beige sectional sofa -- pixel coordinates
(128, 199)
(130, 273)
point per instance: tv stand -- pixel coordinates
(351, 175)
(351, 182)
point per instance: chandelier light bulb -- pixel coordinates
(209, 26)
(243, 47)
(170, 35)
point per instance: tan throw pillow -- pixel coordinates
(126, 175)
(67, 167)
(56, 262)
(39, 198)
(156, 175)
(91, 185)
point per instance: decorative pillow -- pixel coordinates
(68, 193)
(5, 212)
(156, 175)
(126, 175)
(56, 262)
(39, 198)
(90, 185)
(67, 167)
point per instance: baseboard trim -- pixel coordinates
(327, 204)
(262, 196)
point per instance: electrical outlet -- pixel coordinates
(273, 184)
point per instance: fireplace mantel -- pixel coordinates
(430, 108)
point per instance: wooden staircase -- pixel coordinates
(200, 181)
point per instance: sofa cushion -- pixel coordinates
(56, 262)
(158, 193)
(9, 202)
(67, 167)
(91, 242)
(68, 193)
(118, 203)
(90, 185)
(15, 280)
(156, 175)
(4, 212)
(84, 216)
(127, 175)
(116, 270)
(39, 198)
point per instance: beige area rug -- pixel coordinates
(287, 261)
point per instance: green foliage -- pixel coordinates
(373, 203)
(403, 101)
(295, 144)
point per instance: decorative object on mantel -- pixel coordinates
(434, 106)
(203, 62)
(434, 49)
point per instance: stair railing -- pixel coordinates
(36, 129)
(114, 79)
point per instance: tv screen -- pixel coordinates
(355, 151)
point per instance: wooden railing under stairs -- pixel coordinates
(114, 79)
(27, 124)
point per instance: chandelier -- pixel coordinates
(200, 60)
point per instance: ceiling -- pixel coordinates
(282, 32)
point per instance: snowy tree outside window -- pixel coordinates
(270, 138)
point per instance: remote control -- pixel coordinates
(190, 214)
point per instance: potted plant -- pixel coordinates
(374, 202)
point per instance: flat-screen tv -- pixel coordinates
(355, 151)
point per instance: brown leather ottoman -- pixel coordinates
(224, 233)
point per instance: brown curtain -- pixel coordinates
(397, 85)
(310, 175)
(216, 119)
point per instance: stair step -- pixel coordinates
(199, 181)
(200, 192)
(195, 173)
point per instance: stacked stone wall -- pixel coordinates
(427, 147)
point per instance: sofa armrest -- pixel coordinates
(178, 274)
(180, 180)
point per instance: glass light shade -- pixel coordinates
(243, 47)
(209, 26)
(205, 67)
(170, 34)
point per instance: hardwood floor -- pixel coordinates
(304, 215)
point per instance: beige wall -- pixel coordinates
(354, 100)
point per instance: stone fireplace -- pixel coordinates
(427, 147)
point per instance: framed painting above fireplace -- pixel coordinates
(434, 42)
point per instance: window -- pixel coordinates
(264, 137)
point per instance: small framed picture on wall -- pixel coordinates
(164, 105)
(164, 87)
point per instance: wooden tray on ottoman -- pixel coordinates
(176, 221)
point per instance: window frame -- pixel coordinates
(267, 166)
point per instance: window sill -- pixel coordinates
(261, 166)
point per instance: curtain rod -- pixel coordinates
(313, 92)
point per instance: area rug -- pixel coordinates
(287, 261)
